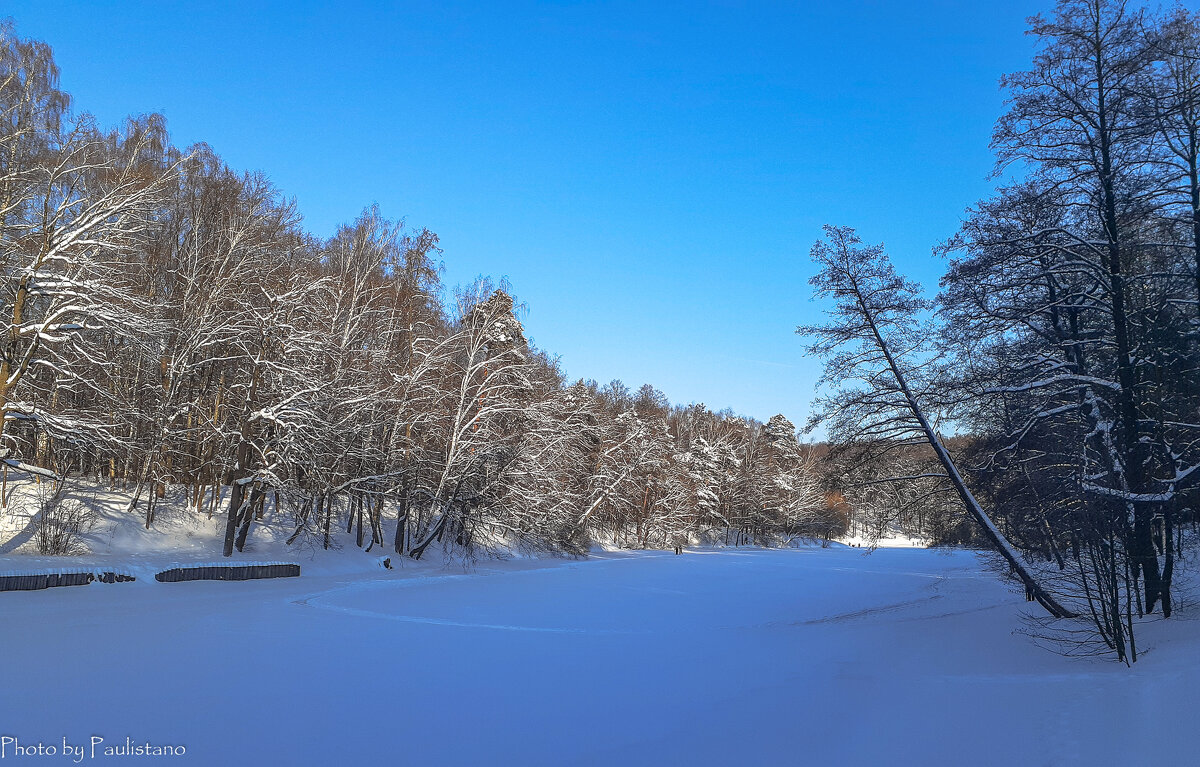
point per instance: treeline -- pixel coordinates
(887, 489)
(171, 328)
(1065, 344)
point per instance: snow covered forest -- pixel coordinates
(174, 333)
(172, 330)
(221, 429)
(1063, 347)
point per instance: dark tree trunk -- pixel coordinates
(401, 524)
(231, 522)
(328, 520)
(248, 517)
(358, 513)
(419, 550)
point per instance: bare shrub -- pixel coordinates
(60, 520)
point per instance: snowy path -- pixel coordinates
(748, 657)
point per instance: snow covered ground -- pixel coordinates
(894, 540)
(803, 656)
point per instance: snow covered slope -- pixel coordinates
(810, 656)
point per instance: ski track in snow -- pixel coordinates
(315, 601)
(865, 612)
(457, 624)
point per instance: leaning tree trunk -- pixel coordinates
(248, 513)
(1033, 589)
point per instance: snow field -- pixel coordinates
(807, 656)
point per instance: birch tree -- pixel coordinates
(476, 380)
(71, 226)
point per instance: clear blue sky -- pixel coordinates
(649, 176)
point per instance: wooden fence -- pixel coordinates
(115, 578)
(45, 580)
(227, 572)
(35, 581)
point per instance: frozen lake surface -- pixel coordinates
(809, 656)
